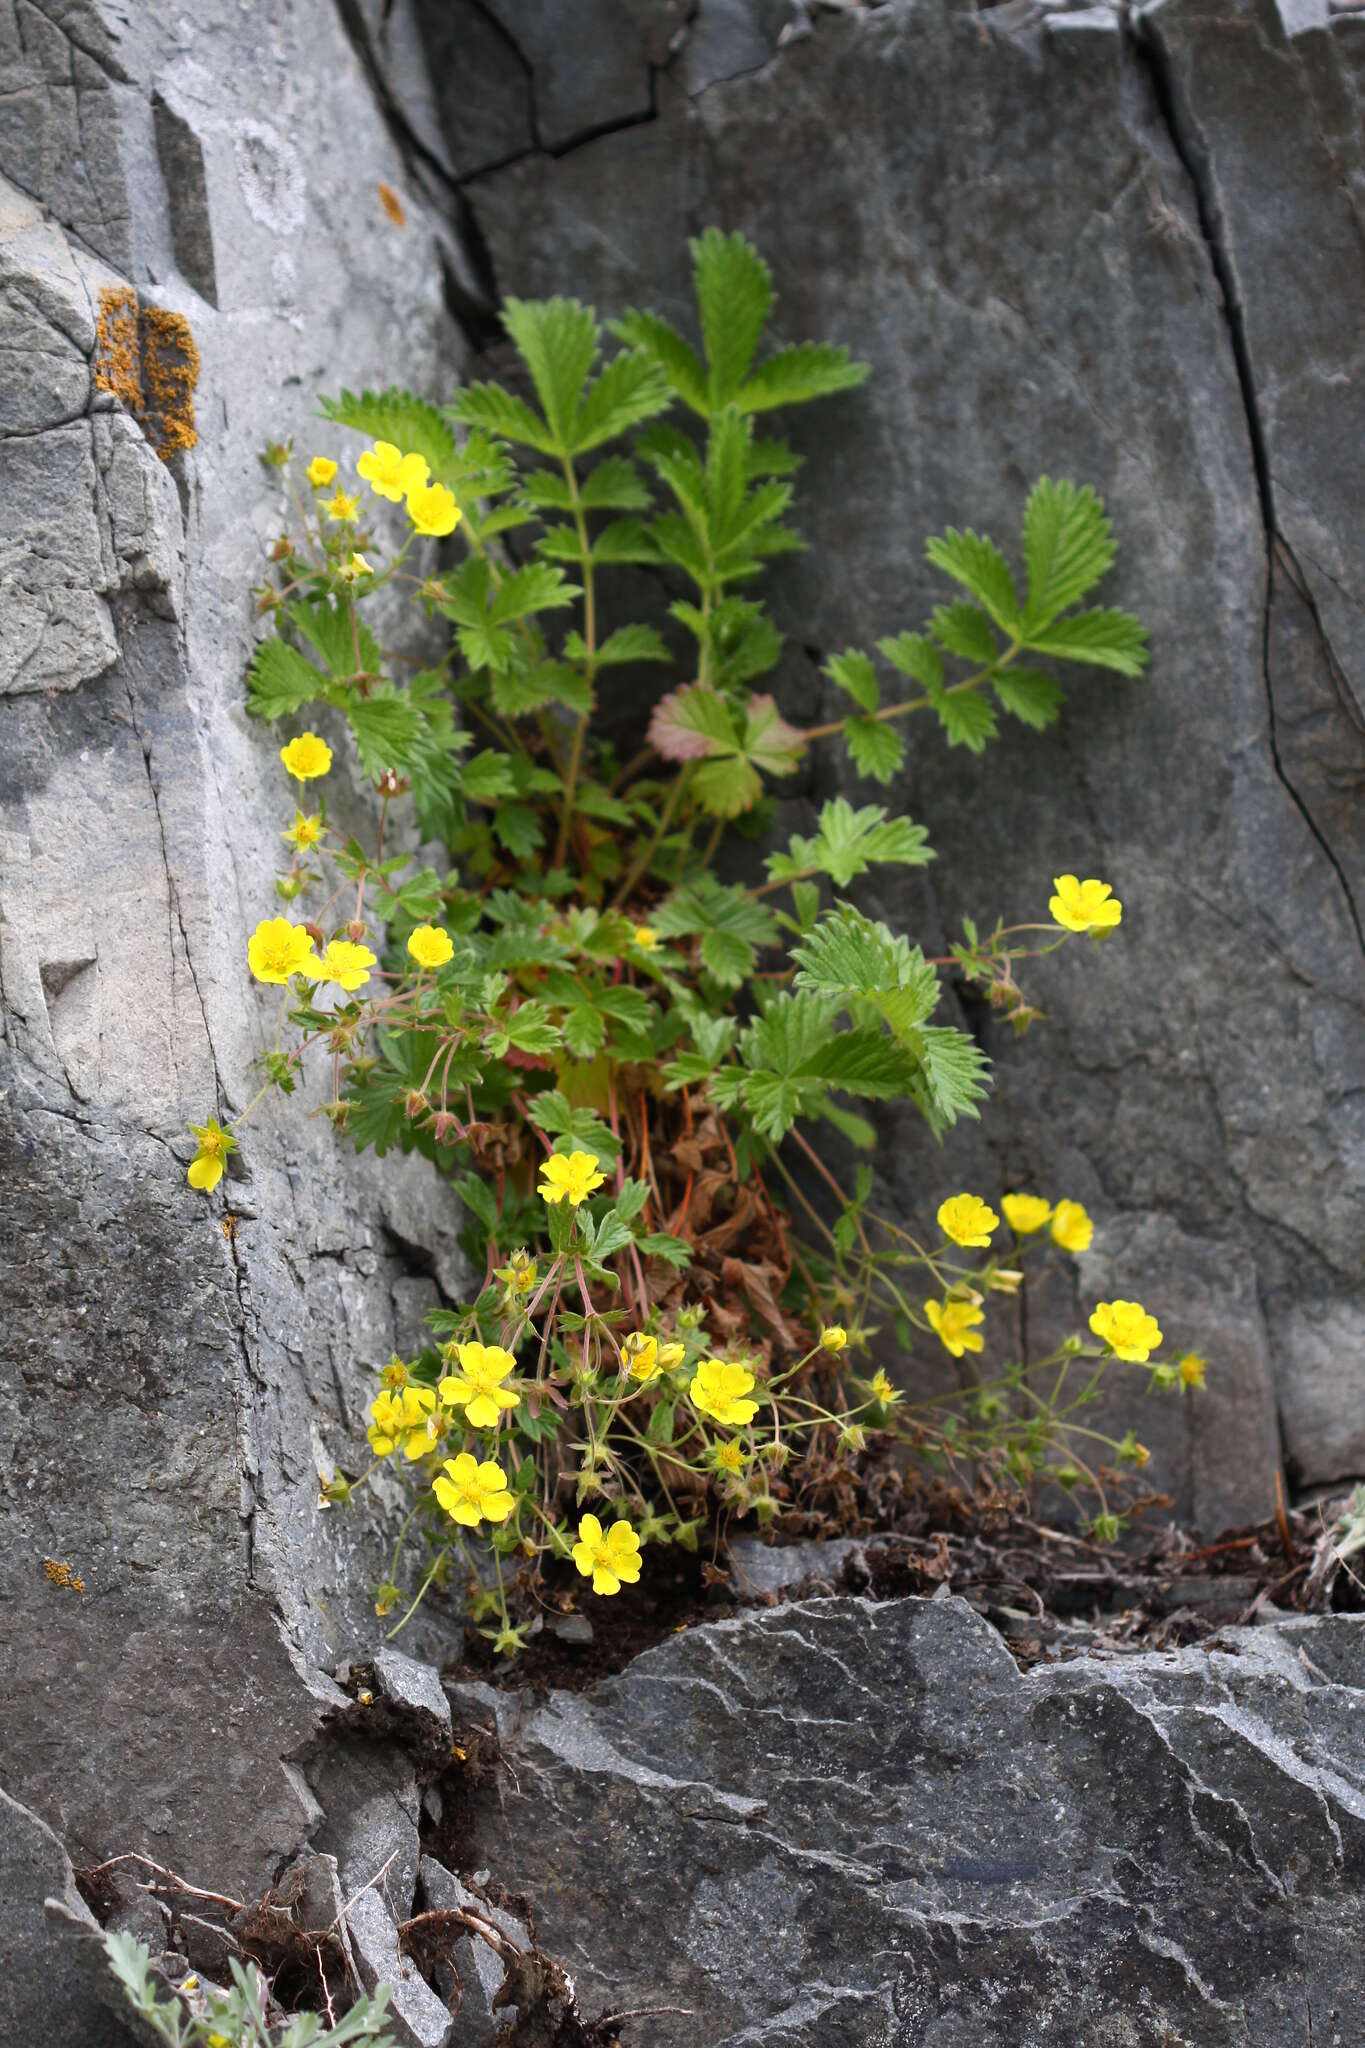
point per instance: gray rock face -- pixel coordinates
(1063, 247)
(858, 1826)
(177, 1396)
(38, 1895)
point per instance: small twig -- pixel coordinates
(359, 1895)
(645, 2012)
(1283, 1520)
(326, 1992)
(501, 1944)
(192, 1891)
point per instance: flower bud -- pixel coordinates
(415, 1104)
(833, 1337)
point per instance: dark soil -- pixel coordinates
(1050, 1592)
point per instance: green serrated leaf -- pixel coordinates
(916, 656)
(538, 587)
(280, 680)
(1029, 695)
(965, 631)
(812, 369)
(877, 748)
(410, 423)
(849, 842)
(487, 777)
(977, 563)
(614, 485)
(676, 358)
(557, 340)
(632, 388)
(727, 787)
(967, 719)
(734, 296)
(1069, 546)
(510, 418)
(385, 725)
(627, 643)
(625, 540)
(517, 827)
(584, 1031)
(1108, 639)
(853, 671)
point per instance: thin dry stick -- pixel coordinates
(501, 1944)
(192, 1891)
(645, 2012)
(359, 1895)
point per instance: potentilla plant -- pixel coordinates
(627, 1064)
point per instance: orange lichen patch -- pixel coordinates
(170, 371)
(118, 348)
(392, 205)
(148, 358)
(63, 1575)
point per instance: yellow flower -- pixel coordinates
(394, 1375)
(611, 1558)
(346, 964)
(433, 510)
(1088, 906)
(518, 1276)
(640, 1353)
(1127, 1329)
(307, 757)
(671, 1354)
(884, 1391)
(430, 945)
(354, 568)
(1072, 1228)
(342, 508)
(478, 1388)
(954, 1323)
(306, 830)
(1192, 1369)
(646, 938)
(401, 1418)
(474, 1492)
(278, 950)
(719, 1390)
(320, 471)
(730, 1455)
(834, 1337)
(206, 1167)
(966, 1219)
(390, 473)
(572, 1179)
(1025, 1213)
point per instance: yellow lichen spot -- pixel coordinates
(62, 1574)
(147, 357)
(392, 205)
(118, 347)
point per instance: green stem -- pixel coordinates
(926, 703)
(589, 662)
(640, 866)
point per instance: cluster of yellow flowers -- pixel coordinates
(393, 475)
(1124, 1326)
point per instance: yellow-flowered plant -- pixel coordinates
(624, 1063)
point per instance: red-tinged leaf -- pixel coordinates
(691, 722)
(769, 742)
